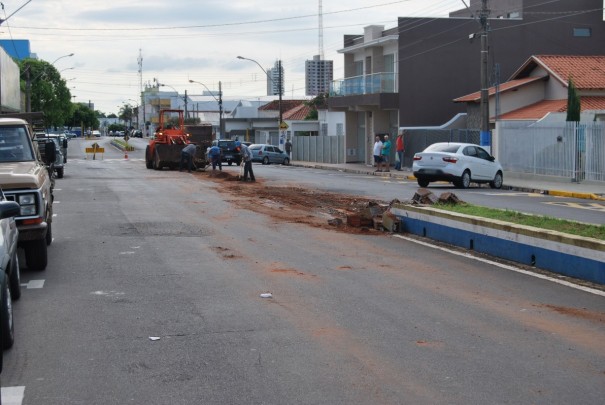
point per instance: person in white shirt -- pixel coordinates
(377, 153)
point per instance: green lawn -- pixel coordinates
(555, 224)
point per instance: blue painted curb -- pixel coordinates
(569, 255)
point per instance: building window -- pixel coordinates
(340, 129)
(582, 32)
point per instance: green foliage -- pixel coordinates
(320, 101)
(83, 117)
(48, 91)
(116, 127)
(538, 221)
(573, 102)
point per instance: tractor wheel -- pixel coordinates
(148, 162)
(156, 161)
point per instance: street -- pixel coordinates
(153, 291)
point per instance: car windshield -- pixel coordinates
(443, 147)
(14, 145)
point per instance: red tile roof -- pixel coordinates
(540, 109)
(508, 86)
(297, 113)
(286, 105)
(587, 72)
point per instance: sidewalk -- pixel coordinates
(512, 181)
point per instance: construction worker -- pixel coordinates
(187, 154)
(247, 158)
(214, 153)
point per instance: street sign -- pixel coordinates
(283, 125)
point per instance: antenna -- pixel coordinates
(321, 32)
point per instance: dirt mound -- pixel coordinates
(295, 204)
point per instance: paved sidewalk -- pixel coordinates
(512, 181)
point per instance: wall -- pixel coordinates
(10, 96)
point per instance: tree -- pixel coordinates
(319, 101)
(47, 90)
(83, 116)
(573, 102)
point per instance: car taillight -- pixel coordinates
(450, 159)
(416, 157)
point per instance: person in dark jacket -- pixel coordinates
(187, 154)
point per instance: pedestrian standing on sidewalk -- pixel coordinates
(377, 153)
(399, 149)
(247, 158)
(386, 153)
(187, 154)
(289, 148)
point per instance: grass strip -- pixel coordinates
(538, 221)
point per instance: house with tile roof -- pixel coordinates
(539, 88)
(529, 113)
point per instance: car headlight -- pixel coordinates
(26, 199)
(27, 203)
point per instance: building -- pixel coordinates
(368, 93)
(498, 9)
(318, 76)
(17, 49)
(439, 61)
(275, 79)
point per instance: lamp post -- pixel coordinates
(279, 86)
(219, 100)
(29, 82)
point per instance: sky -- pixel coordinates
(194, 40)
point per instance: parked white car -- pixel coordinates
(267, 154)
(457, 163)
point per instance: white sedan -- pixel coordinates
(457, 163)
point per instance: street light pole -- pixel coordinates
(279, 86)
(219, 100)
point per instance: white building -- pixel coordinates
(274, 79)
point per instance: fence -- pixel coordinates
(320, 149)
(417, 139)
(569, 150)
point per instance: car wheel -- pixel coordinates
(36, 255)
(148, 162)
(286, 161)
(239, 162)
(15, 279)
(6, 316)
(49, 234)
(229, 163)
(266, 160)
(423, 182)
(60, 172)
(465, 180)
(497, 182)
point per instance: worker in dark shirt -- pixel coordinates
(187, 155)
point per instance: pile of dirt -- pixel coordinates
(300, 205)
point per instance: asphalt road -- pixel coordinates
(153, 296)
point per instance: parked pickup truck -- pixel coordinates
(25, 179)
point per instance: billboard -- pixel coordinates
(10, 92)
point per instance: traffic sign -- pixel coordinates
(283, 125)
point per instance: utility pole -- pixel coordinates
(279, 86)
(185, 100)
(220, 109)
(485, 137)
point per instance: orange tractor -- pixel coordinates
(164, 150)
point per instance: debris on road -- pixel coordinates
(154, 338)
(266, 295)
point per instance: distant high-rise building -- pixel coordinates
(273, 81)
(318, 76)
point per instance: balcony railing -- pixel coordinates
(367, 84)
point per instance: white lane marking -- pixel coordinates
(13, 395)
(507, 267)
(56, 202)
(58, 189)
(54, 215)
(127, 253)
(33, 284)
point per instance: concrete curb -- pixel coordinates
(569, 255)
(512, 187)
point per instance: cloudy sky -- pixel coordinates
(193, 39)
